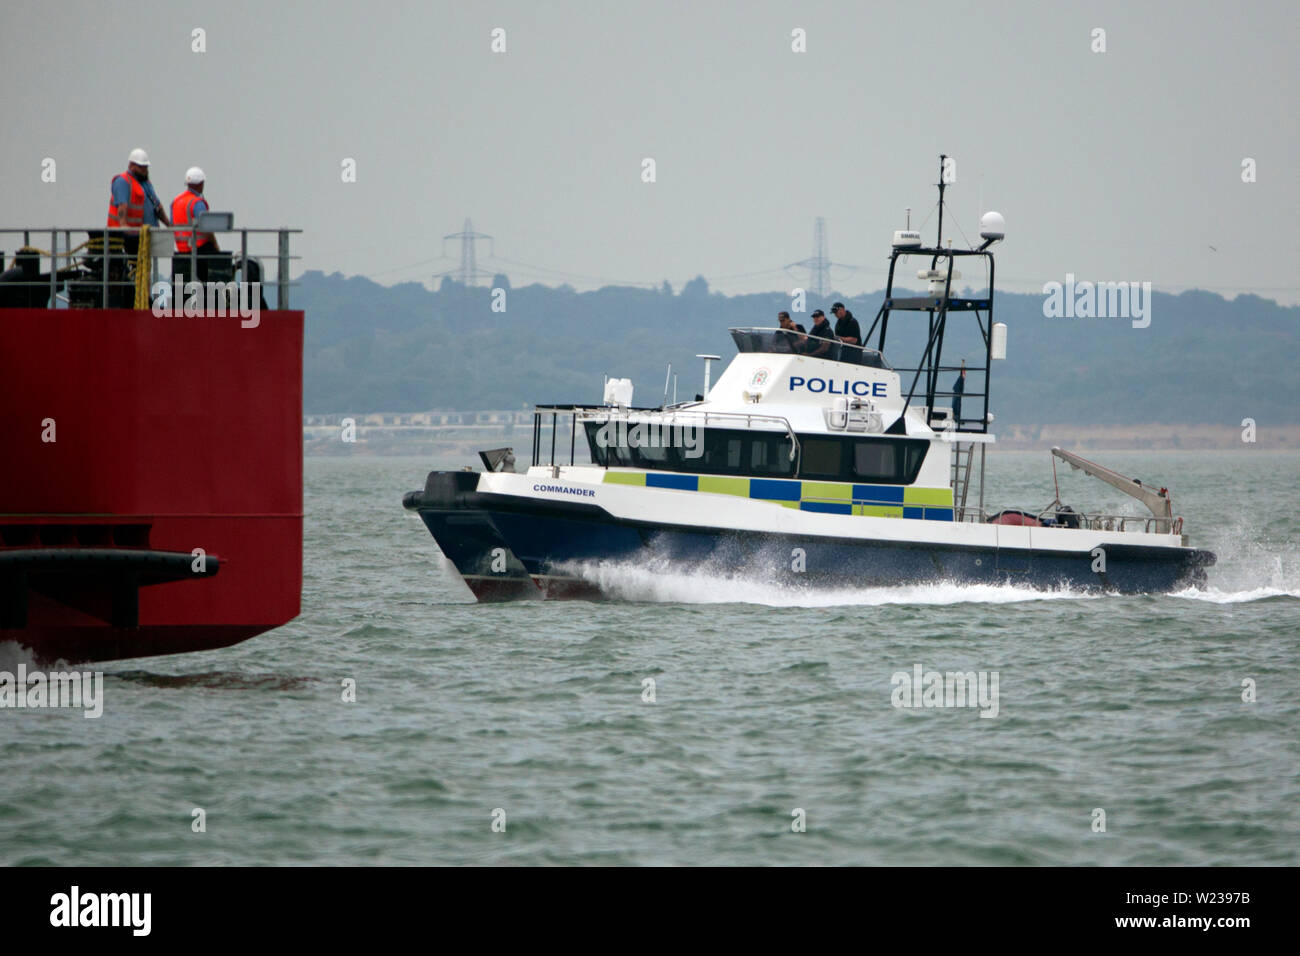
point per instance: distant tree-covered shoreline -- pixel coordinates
(403, 348)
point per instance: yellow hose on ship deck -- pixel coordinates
(142, 271)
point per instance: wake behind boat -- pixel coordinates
(811, 460)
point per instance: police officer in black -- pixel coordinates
(793, 335)
(848, 331)
(828, 347)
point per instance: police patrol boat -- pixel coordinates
(830, 470)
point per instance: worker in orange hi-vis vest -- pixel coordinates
(132, 201)
(185, 210)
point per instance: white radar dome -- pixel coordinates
(992, 226)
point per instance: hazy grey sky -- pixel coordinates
(1119, 165)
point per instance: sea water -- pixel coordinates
(706, 717)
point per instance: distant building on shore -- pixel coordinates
(475, 419)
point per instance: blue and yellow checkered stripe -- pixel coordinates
(831, 497)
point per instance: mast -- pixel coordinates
(938, 239)
(937, 328)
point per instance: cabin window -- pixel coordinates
(873, 459)
(656, 456)
(769, 455)
(914, 456)
(758, 454)
(722, 454)
(821, 458)
(783, 462)
(622, 455)
(888, 461)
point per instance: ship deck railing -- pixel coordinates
(789, 342)
(1087, 521)
(100, 270)
(667, 416)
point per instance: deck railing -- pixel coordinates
(1090, 521)
(669, 416)
(93, 267)
(791, 342)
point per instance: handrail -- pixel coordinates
(106, 258)
(869, 357)
(672, 411)
(595, 412)
(945, 510)
(1091, 521)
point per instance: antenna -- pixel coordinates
(708, 364)
(938, 239)
(667, 378)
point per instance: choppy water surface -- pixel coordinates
(767, 700)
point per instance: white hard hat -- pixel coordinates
(193, 176)
(139, 157)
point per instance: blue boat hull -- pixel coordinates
(509, 548)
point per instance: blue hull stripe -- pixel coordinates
(878, 494)
(829, 507)
(771, 490)
(679, 482)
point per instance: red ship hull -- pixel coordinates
(137, 446)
